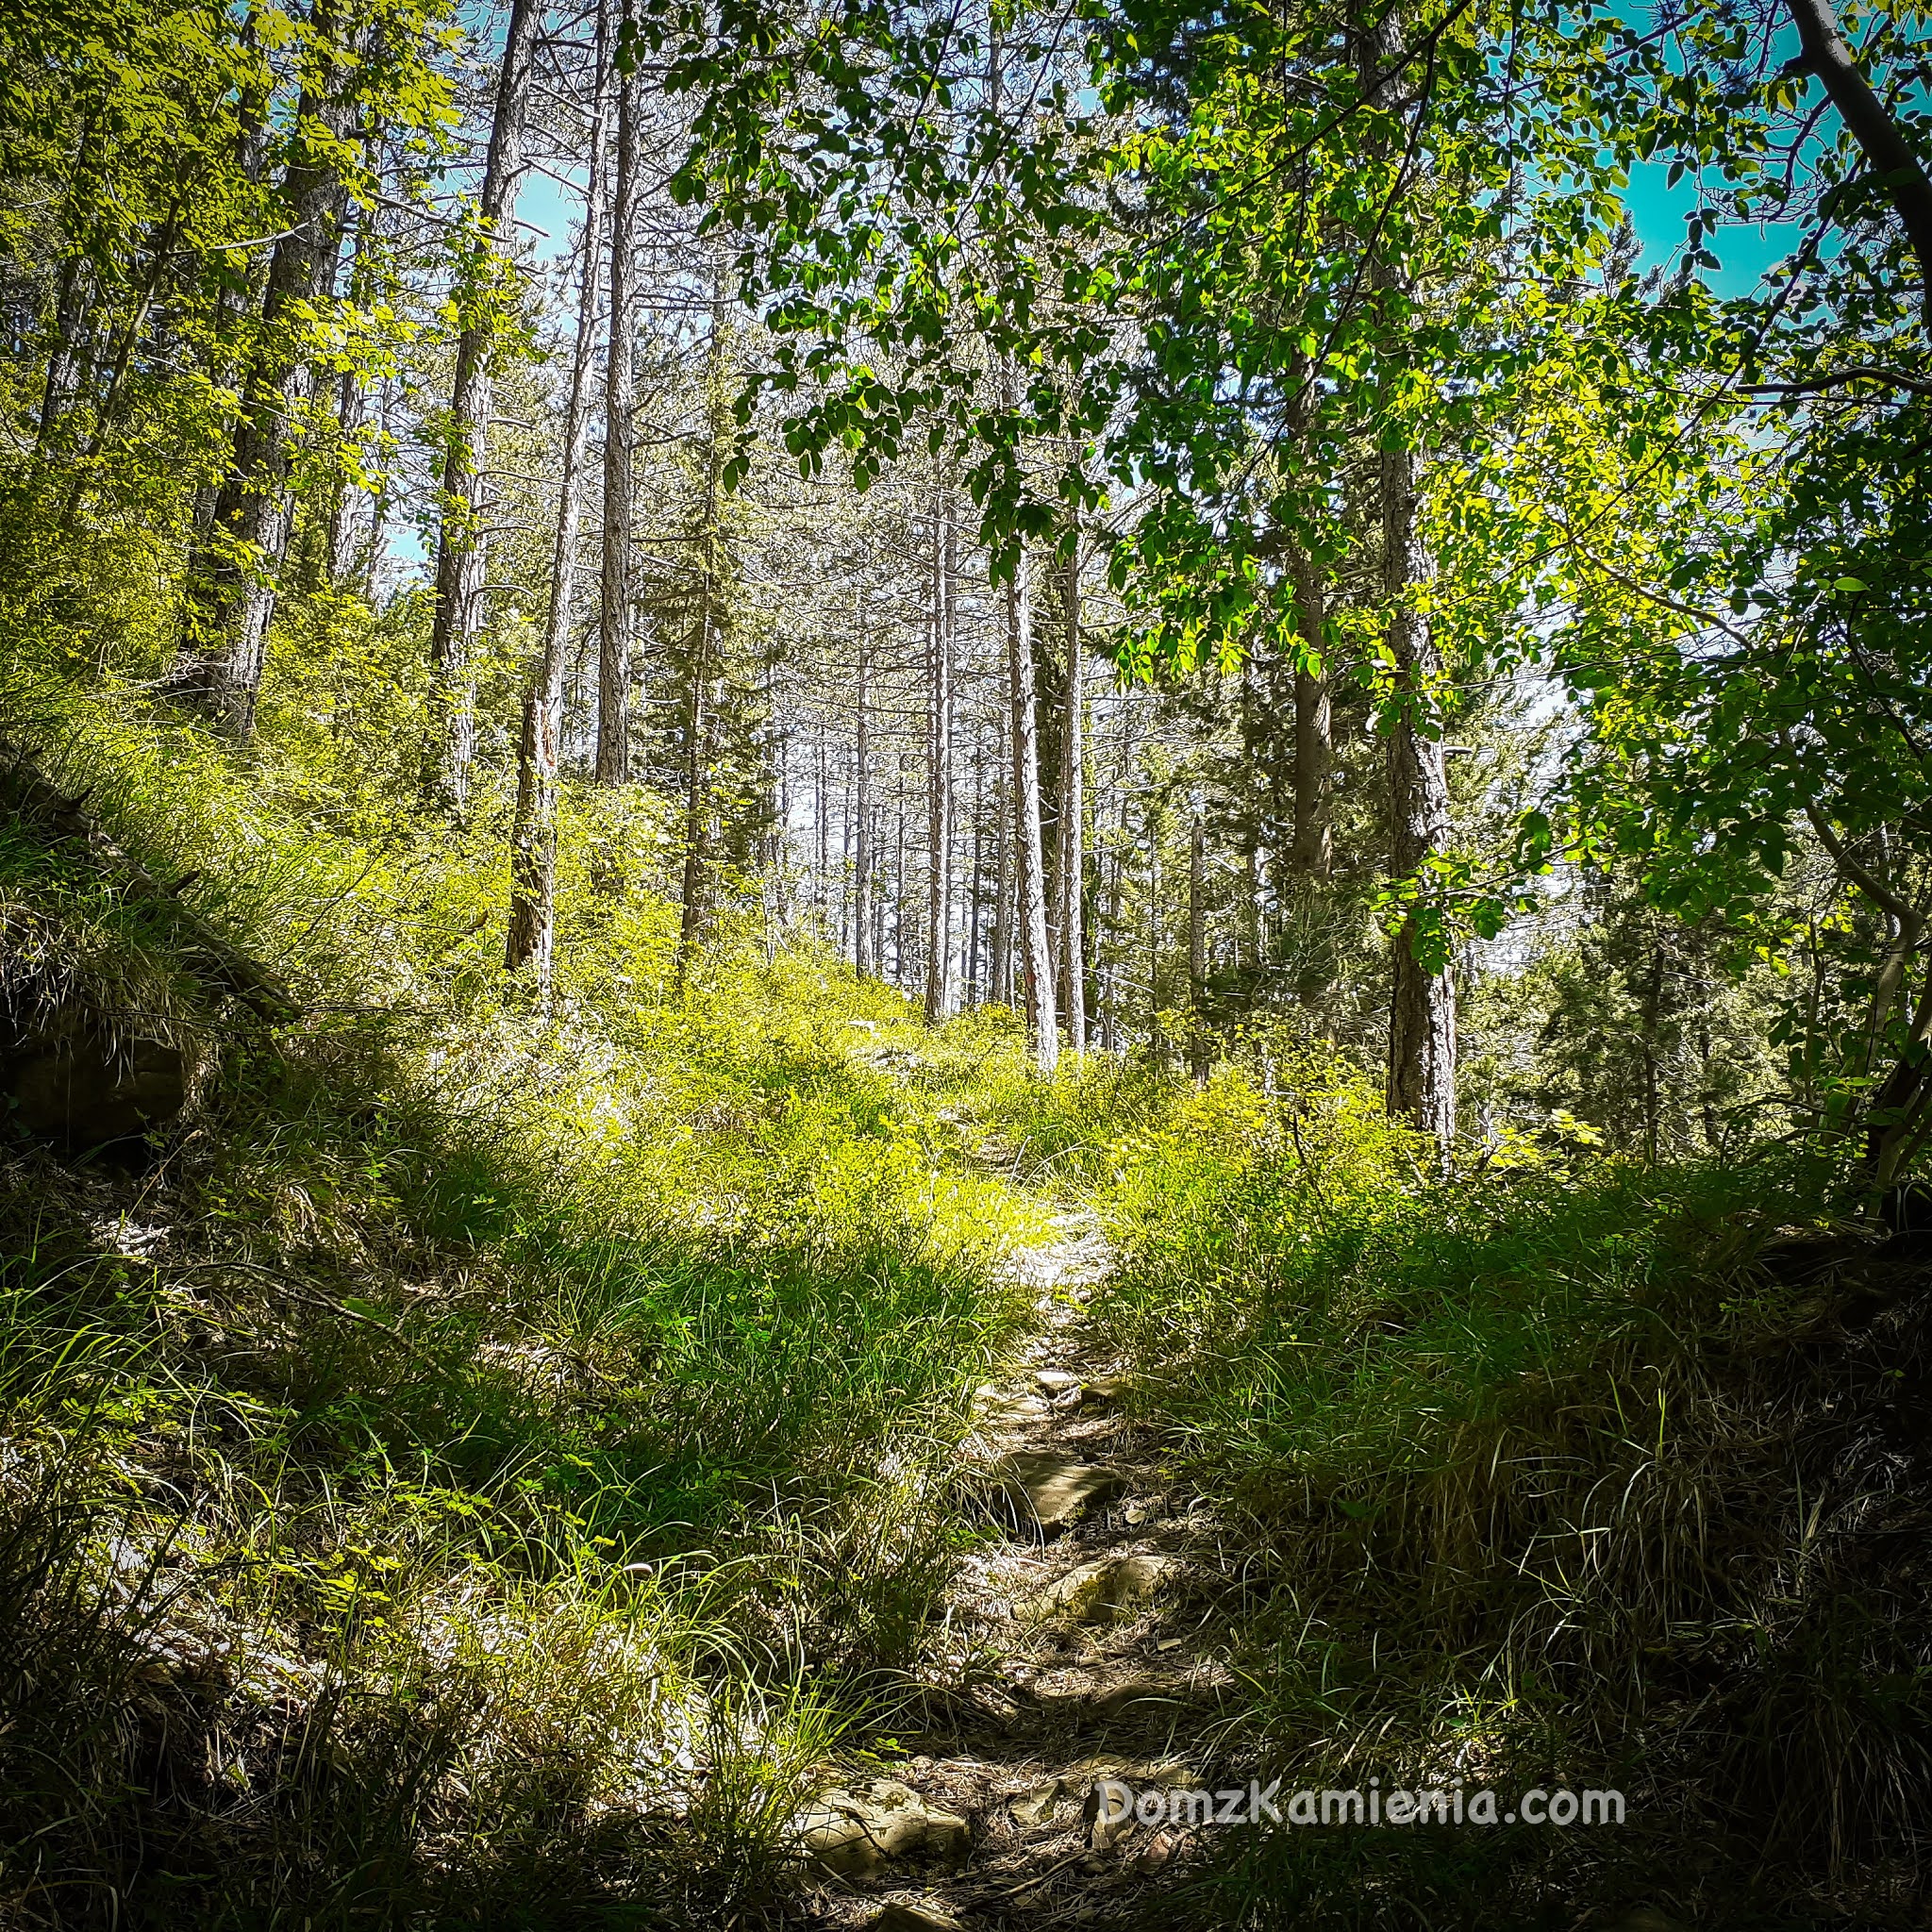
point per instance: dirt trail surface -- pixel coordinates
(1078, 1646)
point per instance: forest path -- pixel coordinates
(1079, 1645)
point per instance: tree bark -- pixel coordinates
(999, 966)
(1073, 806)
(1422, 1006)
(861, 861)
(338, 558)
(821, 805)
(1036, 956)
(1112, 975)
(1314, 737)
(614, 617)
(1422, 1012)
(900, 962)
(939, 908)
(232, 575)
(975, 978)
(1156, 1040)
(699, 808)
(461, 554)
(1877, 134)
(1197, 949)
(532, 940)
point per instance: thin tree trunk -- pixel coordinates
(999, 965)
(121, 342)
(1893, 160)
(462, 554)
(694, 917)
(975, 980)
(878, 902)
(1110, 1001)
(533, 834)
(1157, 1039)
(1314, 737)
(1422, 1006)
(378, 504)
(821, 803)
(900, 961)
(232, 575)
(862, 864)
(339, 539)
(1422, 1029)
(847, 867)
(62, 359)
(339, 543)
(1036, 956)
(1197, 949)
(938, 930)
(614, 617)
(1653, 1007)
(1073, 806)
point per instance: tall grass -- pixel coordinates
(477, 1464)
(1564, 1470)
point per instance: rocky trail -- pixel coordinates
(1079, 1647)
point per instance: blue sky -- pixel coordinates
(1657, 215)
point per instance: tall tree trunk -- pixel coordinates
(821, 806)
(234, 295)
(878, 899)
(900, 961)
(694, 915)
(339, 541)
(64, 359)
(1653, 1011)
(378, 501)
(1157, 1039)
(1036, 956)
(1422, 1006)
(1422, 1015)
(975, 980)
(337, 558)
(1197, 948)
(232, 575)
(461, 552)
(938, 907)
(532, 940)
(1073, 806)
(1110, 1035)
(614, 617)
(847, 867)
(861, 861)
(999, 965)
(1314, 734)
(1421, 1028)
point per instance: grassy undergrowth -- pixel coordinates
(1568, 1472)
(476, 1465)
(481, 1465)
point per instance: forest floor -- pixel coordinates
(1079, 1647)
(744, 1456)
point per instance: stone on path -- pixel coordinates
(1057, 1488)
(1036, 1805)
(991, 1404)
(912, 1915)
(1092, 1592)
(1056, 1381)
(856, 1836)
